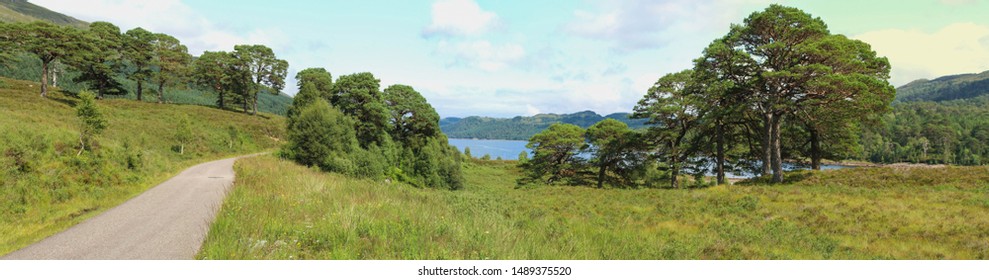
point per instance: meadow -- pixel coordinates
(48, 186)
(281, 210)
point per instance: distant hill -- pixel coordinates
(23, 11)
(947, 88)
(522, 128)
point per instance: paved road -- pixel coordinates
(168, 221)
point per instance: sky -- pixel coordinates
(509, 58)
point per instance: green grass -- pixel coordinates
(45, 187)
(280, 210)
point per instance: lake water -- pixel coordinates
(506, 149)
(510, 149)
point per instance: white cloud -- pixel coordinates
(171, 17)
(531, 110)
(955, 49)
(459, 17)
(482, 54)
(631, 25)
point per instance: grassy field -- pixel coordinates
(280, 210)
(47, 187)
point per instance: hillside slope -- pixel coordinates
(27, 66)
(23, 11)
(47, 186)
(947, 88)
(522, 128)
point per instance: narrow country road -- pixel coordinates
(168, 221)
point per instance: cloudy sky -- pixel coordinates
(508, 58)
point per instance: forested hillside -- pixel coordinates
(944, 120)
(954, 87)
(118, 54)
(523, 128)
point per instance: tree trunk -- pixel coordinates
(140, 88)
(777, 158)
(220, 93)
(815, 150)
(246, 111)
(767, 149)
(601, 173)
(44, 78)
(161, 92)
(255, 104)
(674, 167)
(100, 90)
(719, 168)
(54, 76)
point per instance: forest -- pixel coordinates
(142, 65)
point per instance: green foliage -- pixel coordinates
(411, 116)
(91, 120)
(47, 42)
(262, 71)
(555, 155)
(358, 96)
(171, 60)
(138, 50)
(617, 152)
(216, 71)
(313, 83)
(397, 136)
(927, 132)
(791, 64)
(523, 128)
(102, 60)
(674, 106)
(322, 136)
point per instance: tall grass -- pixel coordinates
(280, 210)
(47, 187)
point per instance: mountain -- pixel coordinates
(947, 88)
(23, 11)
(522, 128)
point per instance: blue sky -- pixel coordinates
(508, 58)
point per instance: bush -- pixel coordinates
(321, 136)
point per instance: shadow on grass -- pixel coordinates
(66, 97)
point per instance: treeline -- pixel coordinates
(778, 87)
(954, 132)
(101, 55)
(523, 128)
(352, 127)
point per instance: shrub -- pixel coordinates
(319, 136)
